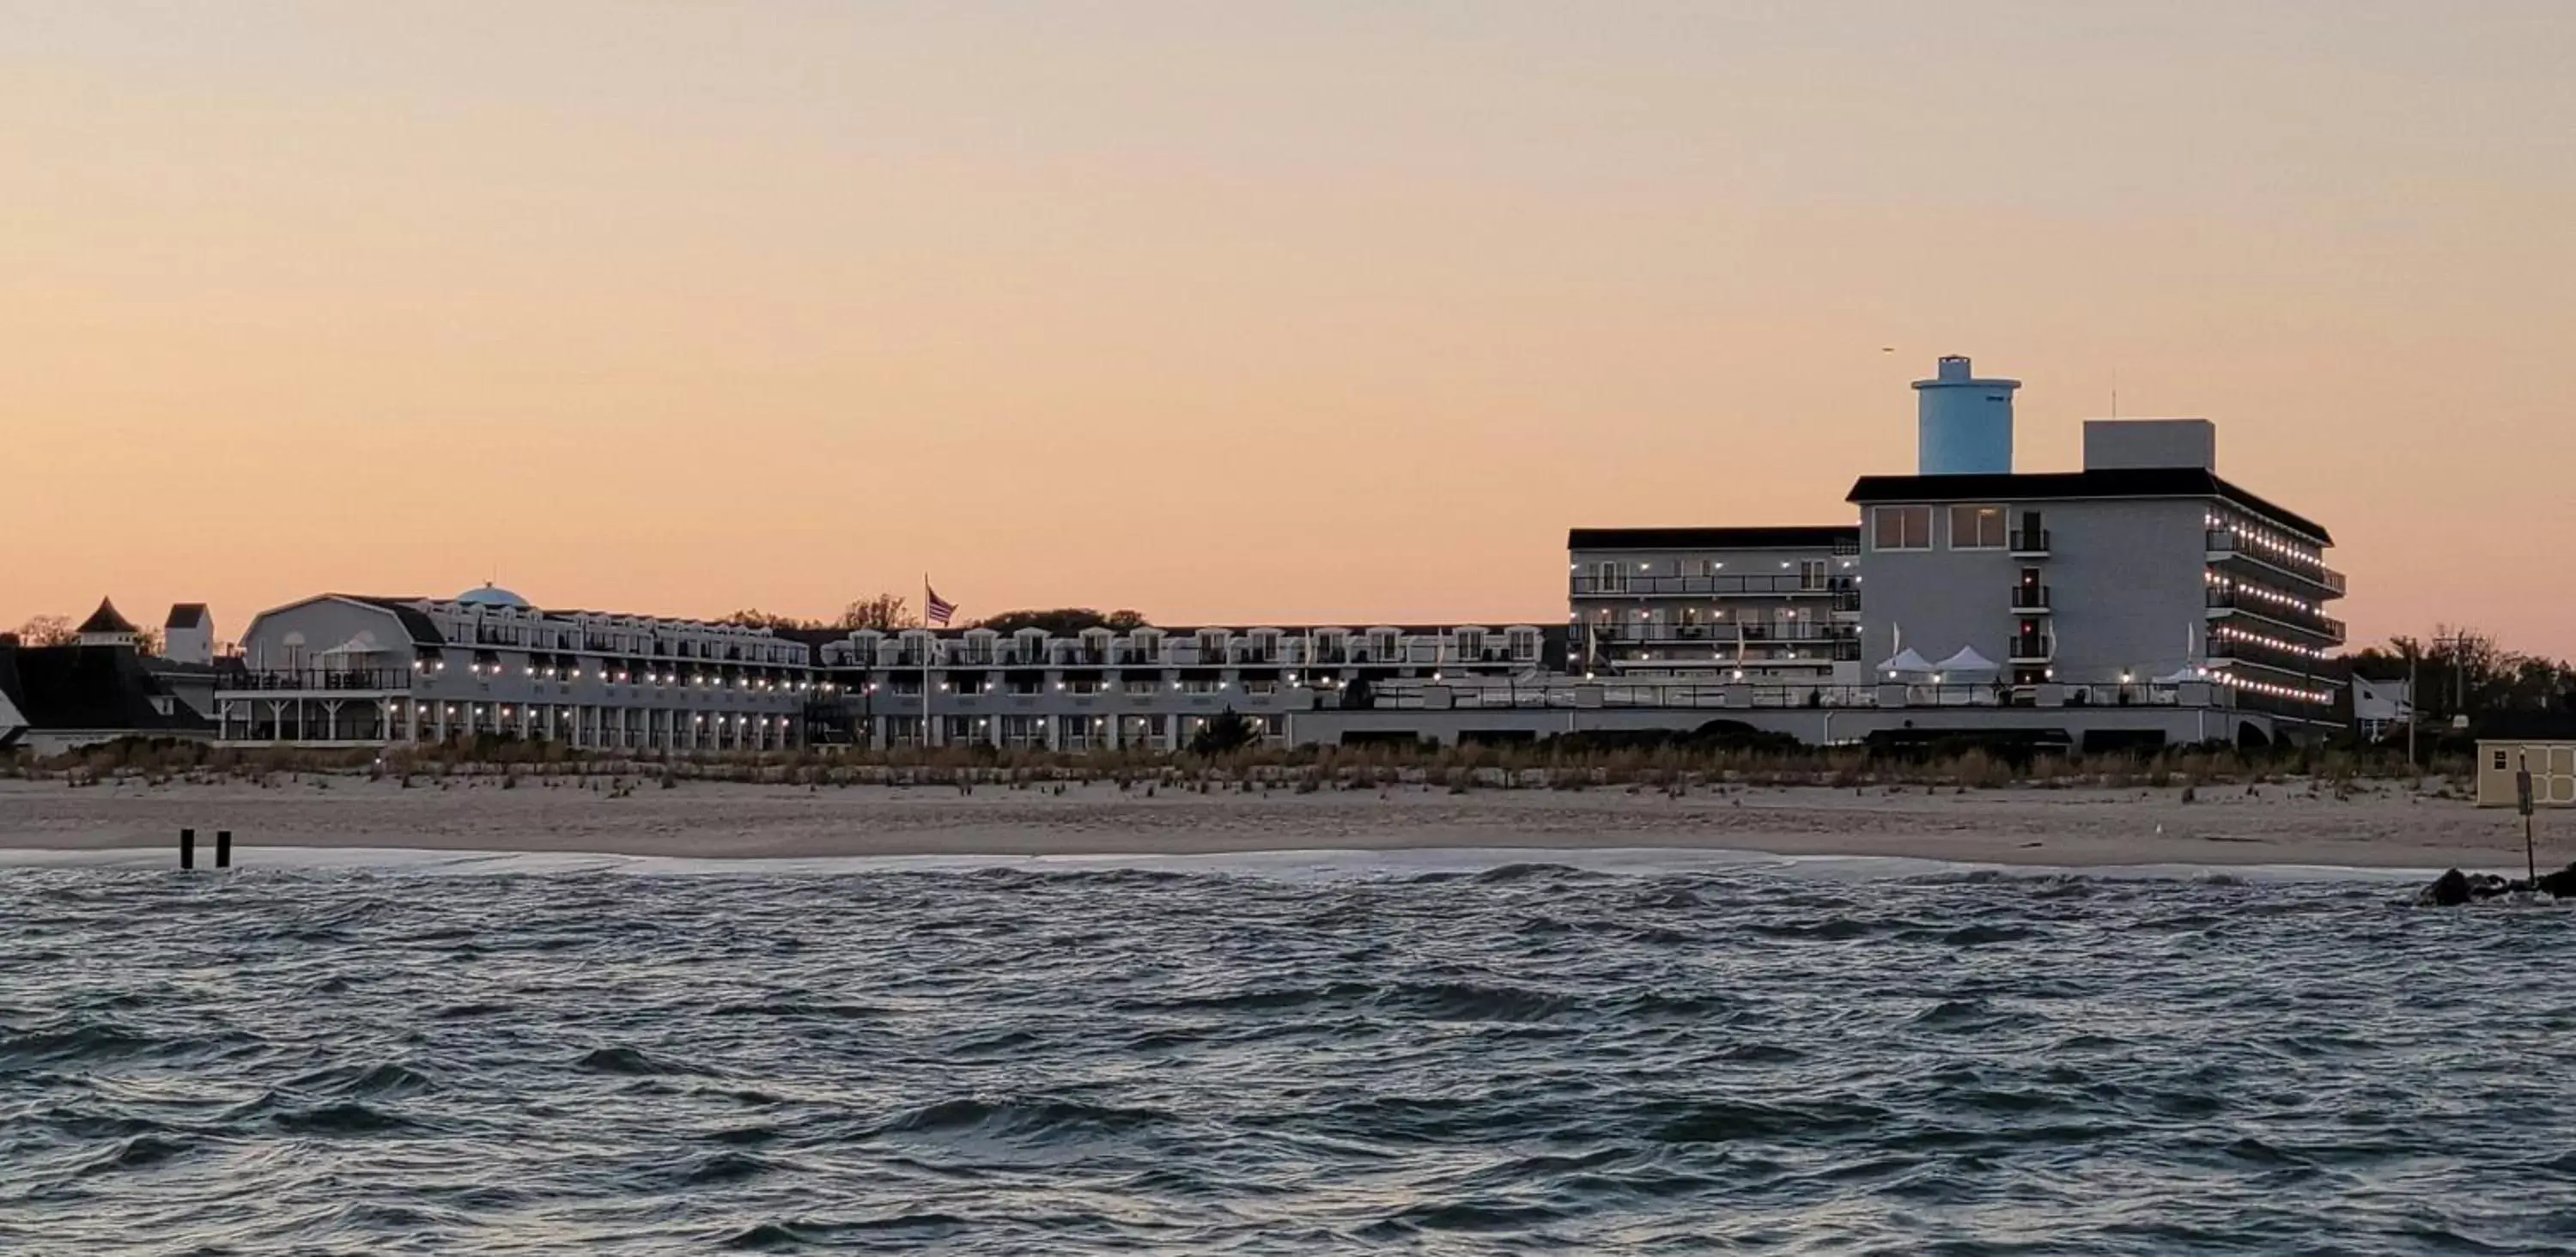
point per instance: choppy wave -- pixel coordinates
(1524, 1057)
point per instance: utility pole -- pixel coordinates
(2414, 659)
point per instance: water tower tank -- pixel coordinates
(1964, 424)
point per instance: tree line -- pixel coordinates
(58, 630)
(889, 612)
(2466, 672)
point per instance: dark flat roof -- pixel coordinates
(1794, 537)
(2115, 482)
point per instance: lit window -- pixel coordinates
(1976, 528)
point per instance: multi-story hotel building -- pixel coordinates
(2140, 599)
(1151, 687)
(340, 669)
(1775, 605)
(2144, 567)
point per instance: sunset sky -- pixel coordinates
(1239, 312)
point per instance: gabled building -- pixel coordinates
(106, 627)
(60, 698)
(347, 669)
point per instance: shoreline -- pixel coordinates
(2369, 827)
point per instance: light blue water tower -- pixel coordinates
(1964, 424)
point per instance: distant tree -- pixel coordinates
(148, 641)
(754, 617)
(884, 612)
(1063, 621)
(2465, 672)
(47, 630)
(1229, 731)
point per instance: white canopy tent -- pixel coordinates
(1907, 665)
(1966, 668)
(363, 644)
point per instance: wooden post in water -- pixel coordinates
(223, 848)
(2522, 798)
(187, 849)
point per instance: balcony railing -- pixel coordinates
(2029, 542)
(326, 679)
(2277, 612)
(2033, 598)
(1725, 634)
(1638, 586)
(2034, 648)
(2223, 544)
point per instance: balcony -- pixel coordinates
(325, 680)
(2030, 599)
(1637, 586)
(2034, 648)
(2029, 543)
(2223, 602)
(1724, 634)
(2224, 546)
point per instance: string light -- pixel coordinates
(2231, 633)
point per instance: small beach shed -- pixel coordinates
(2552, 764)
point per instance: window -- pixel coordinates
(1976, 528)
(1901, 528)
(1708, 567)
(2499, 761)
(1609, 577)
(1811, 573)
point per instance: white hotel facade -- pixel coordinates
(347, 670)
(2139, 600)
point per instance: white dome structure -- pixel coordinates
(491, 595)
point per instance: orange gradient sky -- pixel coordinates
(1339, 311)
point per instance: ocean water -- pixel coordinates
(1275, 1056)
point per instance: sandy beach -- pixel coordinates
(2382, 826)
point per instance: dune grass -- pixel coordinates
(1675, 768)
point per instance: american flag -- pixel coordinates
(936, 609)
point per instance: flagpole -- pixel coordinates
(927, 640)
